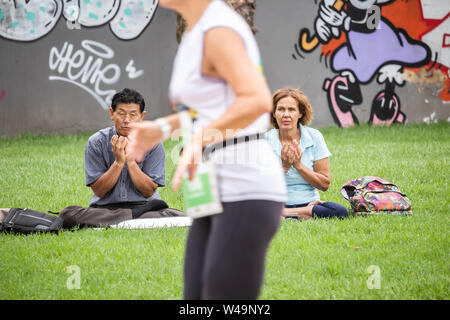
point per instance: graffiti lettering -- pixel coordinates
(438, 38)
(132, 18)
(132, 73)
(25, 20)
(71, 11)
(97, 13)
(81, 70)
(72, 14)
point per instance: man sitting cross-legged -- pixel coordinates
(123, 188)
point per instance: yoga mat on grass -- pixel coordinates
(154, 223)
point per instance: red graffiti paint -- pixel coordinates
(2, 95)
(408, 15)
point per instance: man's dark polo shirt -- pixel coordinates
(98, 159)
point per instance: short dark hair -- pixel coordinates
(128, 96)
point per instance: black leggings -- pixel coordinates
(225, 253)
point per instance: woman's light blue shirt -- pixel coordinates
(313, 146)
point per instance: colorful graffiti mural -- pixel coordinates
(392, 42)
(26, 20)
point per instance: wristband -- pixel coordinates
(165, 128)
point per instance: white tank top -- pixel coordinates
(246, 171)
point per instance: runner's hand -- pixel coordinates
(189, 160)
(143, 136)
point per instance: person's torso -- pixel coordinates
(124, 190)
(211, 97)
(299, 190)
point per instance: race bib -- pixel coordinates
(201, 195)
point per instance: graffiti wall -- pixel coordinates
(382, 62)
(370, 61)
(27, 20)
(61, 61)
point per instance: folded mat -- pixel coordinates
(154, 223)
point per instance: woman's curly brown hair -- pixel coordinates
(304, 107)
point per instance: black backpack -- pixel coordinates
(28, 221)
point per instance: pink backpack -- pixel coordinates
(372, 195)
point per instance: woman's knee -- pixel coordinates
(341, 211)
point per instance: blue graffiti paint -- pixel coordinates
(128, 12)
(93, 16)
(30, 16)
(31, 20)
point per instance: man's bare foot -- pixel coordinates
(3, 213)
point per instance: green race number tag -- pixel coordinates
(201, 195)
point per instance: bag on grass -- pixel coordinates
(372, 195)
(27, 221)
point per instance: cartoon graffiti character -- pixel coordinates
(26, 20)
(368, 52)
(132, 18)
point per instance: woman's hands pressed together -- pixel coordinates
(291, 155)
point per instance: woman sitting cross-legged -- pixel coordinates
(303, 155)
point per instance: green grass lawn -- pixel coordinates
(315, 259)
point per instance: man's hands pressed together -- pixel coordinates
(119, 148)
